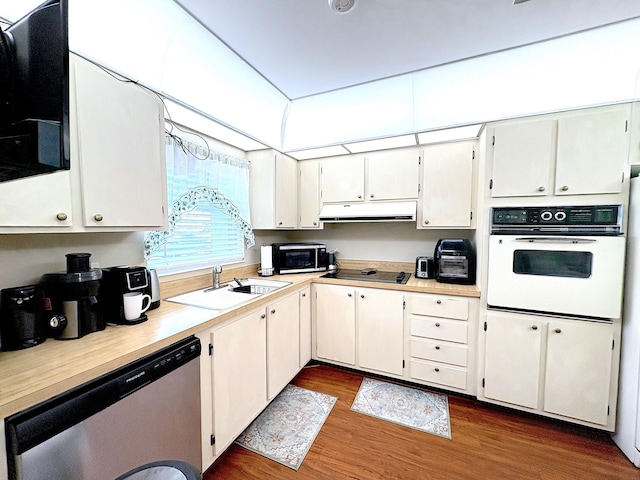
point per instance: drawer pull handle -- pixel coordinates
(564, 188)
(98, 218)
(61, 216)
(437, 324)
(541, 189)
(437, 347)
(439, 302)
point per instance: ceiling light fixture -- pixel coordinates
(341, 6)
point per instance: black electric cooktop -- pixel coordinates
(369, 275)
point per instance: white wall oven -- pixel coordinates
(566, 261)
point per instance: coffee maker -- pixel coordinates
(22, 323)
(72, 306)
(116, 281)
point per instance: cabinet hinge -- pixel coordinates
(210, 349)
(493, 140)
(473, 154)
(419, 160)
(608, 410)
(485, 326)
(626, 125)
(483, 383)
(402, 363)
(419, 188)
(613, 344)
(490, 184)
(622, 181)
(470, 215)
(404, 305)
(212, 440)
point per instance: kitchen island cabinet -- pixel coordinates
(447, 187)
(117, 138)
(560, 368)
(562, 154)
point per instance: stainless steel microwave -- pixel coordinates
(299, 257)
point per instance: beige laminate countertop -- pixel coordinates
(35, 374)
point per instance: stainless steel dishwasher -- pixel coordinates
(146, 411)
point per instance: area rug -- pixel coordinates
(407, 406)
(286, 429)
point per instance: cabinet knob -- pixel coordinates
(279, 223)
(557, 330)
(98, 218)
(61, 216)
(315, 223)
(564, 188)
(348, 295)
(541, 189)
(437, 324)
(304, 295)
(371, 195)
(359, 196)
(362, 295)
(263, 316)
(439, 302)
(534, 327)
(426, 222)
(436, 369)
(437, 347)
(273, 311)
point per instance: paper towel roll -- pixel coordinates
(266, 260)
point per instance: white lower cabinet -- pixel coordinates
(305, 326)
(245, 363)
(360, 327)
(283, 343)
(441, 340)
(556, 367)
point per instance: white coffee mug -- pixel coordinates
(133, 304)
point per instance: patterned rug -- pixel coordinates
(411, 407)
(286, 429)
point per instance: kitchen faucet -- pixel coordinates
(216, 271)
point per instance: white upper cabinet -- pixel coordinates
(309, 194)
(120, 151)
(117, 180)
(569, 154)
(273, 190)
(392, 174)
(342, 179)
(447, 192)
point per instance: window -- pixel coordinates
(209, 223)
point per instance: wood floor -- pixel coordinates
(487, 442)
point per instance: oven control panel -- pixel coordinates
(579, 220)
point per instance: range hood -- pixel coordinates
(369, 212)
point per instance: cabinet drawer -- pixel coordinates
(440, 329)
(439, 351)
(434, 306)
(444, 375)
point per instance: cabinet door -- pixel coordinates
(286, 192)
(380, 333)
(523, 155)
(512, 359)
(40, 201)
(393, 174)
(305, 326)
(335, 323)
(592, 152)
(578, 372)
(239, 376)
(121, 151)
(309, 193)
(447, 185)
(283, 343)
(342, 179)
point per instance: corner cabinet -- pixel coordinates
(117, 180)
(447, 192)
(360, 327)
(560, 368)
(273, 190)
(569, 154)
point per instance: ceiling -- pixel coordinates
(304, 48)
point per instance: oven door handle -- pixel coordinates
(555, 240)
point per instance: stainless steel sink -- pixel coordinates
(229, 295)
